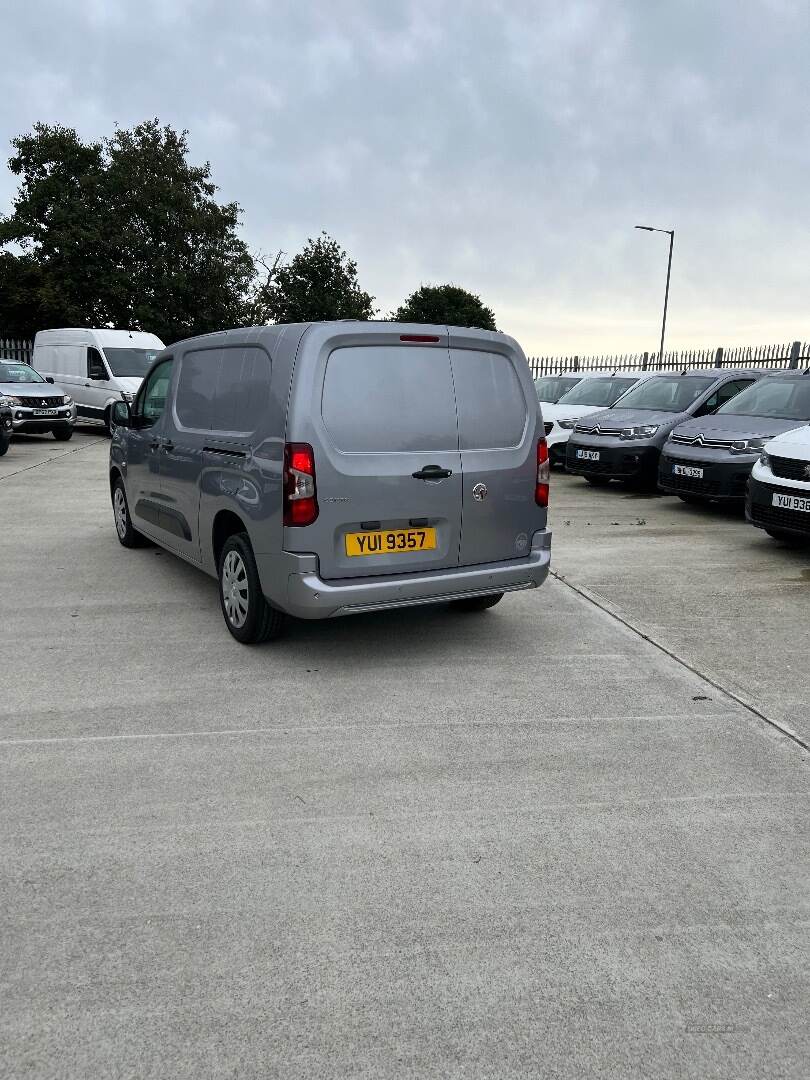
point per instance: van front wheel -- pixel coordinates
(247, 614)
(478, 603)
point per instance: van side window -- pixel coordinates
(721, 395)
(96, 368)
(491, 408)
(152, 396)
(223, 389)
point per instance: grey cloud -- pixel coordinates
(507, 146)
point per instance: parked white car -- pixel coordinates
(779, 489)
(588, 396)
(96, 367)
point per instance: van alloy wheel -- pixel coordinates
(235, 589)
(127, 535)
(120, 511)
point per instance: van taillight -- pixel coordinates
(300, 496)
(543, 474)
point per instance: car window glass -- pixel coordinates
(552, 387)
(95, 364)
(223, 389)
(667, 393)
(491, 408)
(389, 399)
(782, 399)
(152, 398)
(596, 391)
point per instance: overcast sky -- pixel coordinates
(506, 147)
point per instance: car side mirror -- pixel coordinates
(121, 416)
(49, 378)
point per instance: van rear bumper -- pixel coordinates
(310, 597)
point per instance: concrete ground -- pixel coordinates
(517, 844)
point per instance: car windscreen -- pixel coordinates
(130, 363)
(552, 387)
(667, 393)
(19, 373)
(779, 399)
(596, 391)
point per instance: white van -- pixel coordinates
(96, 367)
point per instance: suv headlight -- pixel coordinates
(748, 446)
(765, 459)
(67, 400)
(645, 431)
(15, 401)
(567, 424)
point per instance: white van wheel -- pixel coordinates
(247, 614)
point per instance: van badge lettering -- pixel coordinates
(480, 492)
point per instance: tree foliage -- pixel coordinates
(446, 304)
(122, 232)
(319, 283)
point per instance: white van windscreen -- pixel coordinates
(223, 389)
(491, 407)
(389, 399)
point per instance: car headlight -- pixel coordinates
(765, 459)
(67, 400)
(645, 431)
(748, 446)
(567, 424)
(15, 401)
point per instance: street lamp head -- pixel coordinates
(646, 228)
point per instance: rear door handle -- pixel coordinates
(432, 472)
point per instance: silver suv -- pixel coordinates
(37, 406)
(326, 469)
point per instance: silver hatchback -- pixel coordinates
(327, 469)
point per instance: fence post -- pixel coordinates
(576, 363)
(718, 356)
(795, 353)
(645, 361)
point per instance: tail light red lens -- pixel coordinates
(300, 494)
(543, 474)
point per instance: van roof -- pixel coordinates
(121, 339)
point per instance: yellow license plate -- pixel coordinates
(393, 541)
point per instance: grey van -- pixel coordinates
(711, 458)
(325, 469)
(624, 442)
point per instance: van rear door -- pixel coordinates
(498, 431)
(382, 424)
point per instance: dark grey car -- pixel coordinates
(712, 457)
(625, 441)
(331, 468)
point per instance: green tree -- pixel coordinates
(319, 283)
(448, 304)
(122, 232)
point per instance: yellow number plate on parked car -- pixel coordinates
(384, 543)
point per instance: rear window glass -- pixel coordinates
(223, 389)
(552, 387)
(388, 399)
(491, 407)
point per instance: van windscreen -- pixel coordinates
(389, 399)
(130, 363)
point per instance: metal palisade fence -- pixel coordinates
(793, 354)
(16, 349)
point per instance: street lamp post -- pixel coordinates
(671, 234)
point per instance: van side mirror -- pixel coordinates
(98, 376)
(49, 378)
(121, 416)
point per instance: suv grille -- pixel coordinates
(790, 469)
(40, 402)
(701, 440)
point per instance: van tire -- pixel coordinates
(127, 535)
(248, 616)
(598, 481)
(62, 434)
(4, 445)
(108, 421)
(478, 603)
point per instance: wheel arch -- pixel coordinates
(226, 523)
